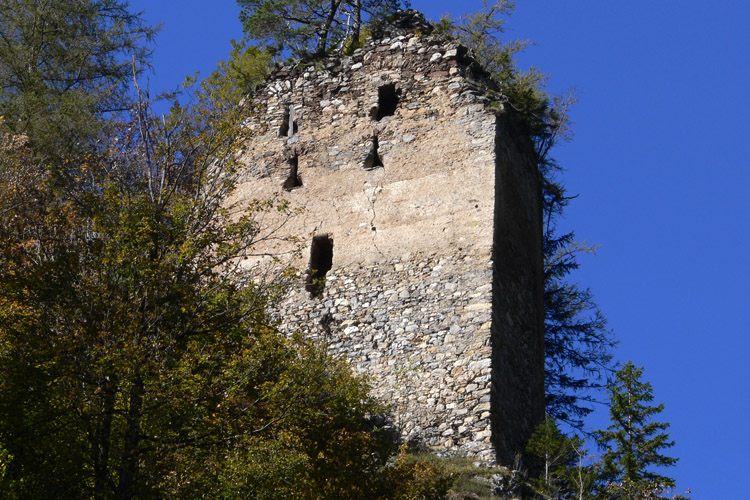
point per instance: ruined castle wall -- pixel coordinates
(410, 298)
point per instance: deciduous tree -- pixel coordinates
(236, 77)
(557, 455)
(136, 357)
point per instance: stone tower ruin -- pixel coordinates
(422, 222)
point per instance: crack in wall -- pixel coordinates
(336, 208)
(372, 199)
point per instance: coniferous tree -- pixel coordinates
(633, 441)
(64, 66)
(566, 469)
(578, 345)
(557, 454)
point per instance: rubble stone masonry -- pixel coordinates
(422, 217)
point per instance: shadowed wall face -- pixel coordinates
(518, 294)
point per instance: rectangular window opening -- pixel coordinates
(288, 126)
(293, 181)
(387, 101)
(321, 261)
(372, 160)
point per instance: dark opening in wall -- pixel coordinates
(321, 260)
(293, 181)
(288, 123)
(387, 101)
(372, 160)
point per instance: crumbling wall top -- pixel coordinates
(402, 22)
(404, 27)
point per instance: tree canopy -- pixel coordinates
(567, 470)
(136, 356)
(309, 27)
(632, 444)
(66, 65)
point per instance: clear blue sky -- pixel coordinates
(659, 159)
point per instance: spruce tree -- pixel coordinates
(566, 470)
(633, 441)
(557, 454)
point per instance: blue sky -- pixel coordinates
(659, 160)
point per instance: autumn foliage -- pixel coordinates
(137, 359)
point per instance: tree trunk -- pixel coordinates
(132, 437)
(102, 437)
(320, 50)
(357, 20)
